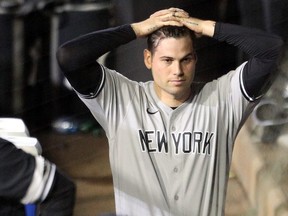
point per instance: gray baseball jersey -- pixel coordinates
(170, 161)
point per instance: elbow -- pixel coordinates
(68, 59)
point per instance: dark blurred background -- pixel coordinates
(33, 88)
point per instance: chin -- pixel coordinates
(180, 92)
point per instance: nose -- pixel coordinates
(177, 69)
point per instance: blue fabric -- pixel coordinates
(30, 210)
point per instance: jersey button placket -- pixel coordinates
(176, 197)
(173, 128)
(172, 123)
(175, 170)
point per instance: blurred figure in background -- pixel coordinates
(270, 117)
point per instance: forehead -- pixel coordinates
(173, 46)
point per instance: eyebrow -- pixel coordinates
(192, 54)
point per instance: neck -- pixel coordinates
(172, 100)
(173, 103)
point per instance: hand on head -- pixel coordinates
(159, 19)
(173, 17)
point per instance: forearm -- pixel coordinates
(253, 42)
(77, 58)
(264, 50)
(83, 51)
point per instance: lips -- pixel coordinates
(177, 82)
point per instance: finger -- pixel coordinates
(171, 20)
(161, 13)
(170, 11)
(173, 23)
(181, 14)
(169, 17)
(173, 9)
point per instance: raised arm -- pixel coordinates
(263, 48)
(77, 58)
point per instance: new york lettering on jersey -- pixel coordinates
(187, 142)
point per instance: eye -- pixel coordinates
(167, 60)
(187, 60)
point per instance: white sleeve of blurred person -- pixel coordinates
(41, 183)
(15, 131)
(30, 178)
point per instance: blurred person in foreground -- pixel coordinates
(27, 179)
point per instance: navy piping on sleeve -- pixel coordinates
(243, 90)
(99, 89)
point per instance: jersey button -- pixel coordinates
(173, 128)
(176, 197)
(175, 170)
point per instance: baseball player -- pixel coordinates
(25, 179)
(170, 139)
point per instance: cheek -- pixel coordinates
(158, 65)
(157, 75)
(158, 70)
(189, 68)
(190, 73)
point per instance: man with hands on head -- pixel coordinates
(170, 139)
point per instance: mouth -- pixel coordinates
(177, 81)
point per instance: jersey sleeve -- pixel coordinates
(264, 50)
(24, 177)
(113, 100)
(235, 99)
(226, 101)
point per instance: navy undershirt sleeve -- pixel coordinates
(264, 50)
(77, 58)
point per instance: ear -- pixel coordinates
(147, 58)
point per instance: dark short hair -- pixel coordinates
(165, 32)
